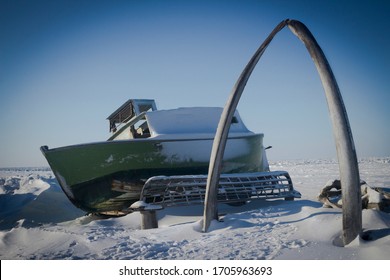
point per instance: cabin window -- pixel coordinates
(140, 129)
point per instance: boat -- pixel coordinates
(109, 176)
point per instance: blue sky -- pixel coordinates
(66, 65)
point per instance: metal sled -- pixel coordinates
(233, 189)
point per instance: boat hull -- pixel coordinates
(109, 176)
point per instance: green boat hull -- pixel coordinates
(94, 176)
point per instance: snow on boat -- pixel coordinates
(149, 143)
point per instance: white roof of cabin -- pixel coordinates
(192, 120)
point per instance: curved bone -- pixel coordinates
(349, 172)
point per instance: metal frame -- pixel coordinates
(182, 190)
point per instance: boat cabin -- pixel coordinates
(139, 118)
(129, 110)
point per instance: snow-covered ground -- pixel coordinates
(38, 222)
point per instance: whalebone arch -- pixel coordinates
(346, 153)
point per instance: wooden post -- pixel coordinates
(148, 213)
(349, 172)
(148, 219)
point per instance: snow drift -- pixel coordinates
(38, 222)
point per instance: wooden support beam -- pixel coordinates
(149, 219)
(148, 213)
